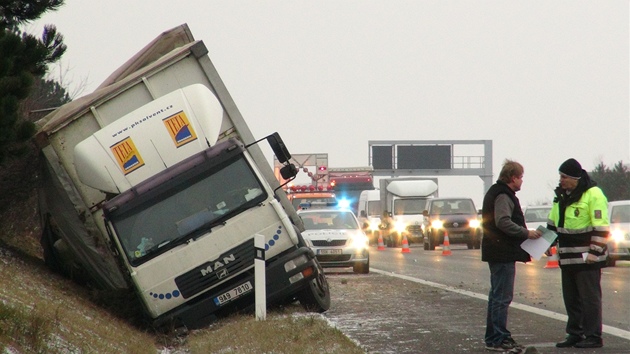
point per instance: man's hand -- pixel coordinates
(533, 234)
(591, 258)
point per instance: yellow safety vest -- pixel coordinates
(584, 230)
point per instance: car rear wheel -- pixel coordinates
(611, 262)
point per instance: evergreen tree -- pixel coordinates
(615, 182)
(23, 61)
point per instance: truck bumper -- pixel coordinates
(286, 275)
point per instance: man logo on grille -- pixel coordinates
(222, 273)
(217, 265)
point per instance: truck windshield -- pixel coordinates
(409, 206)
(374, 208)
(189, 208)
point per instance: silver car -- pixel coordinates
(536, 215)
(337, 239)
(619, 238)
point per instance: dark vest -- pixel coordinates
(496, 246)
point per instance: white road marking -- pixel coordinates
(550, 314)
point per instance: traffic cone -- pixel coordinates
(446, 248)
(381, 245)
(552, 261)
(405, 245)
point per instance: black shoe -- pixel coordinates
(512, 342)
(570, 341)
(590, 342)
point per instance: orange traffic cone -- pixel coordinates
(381, 245)
(405, 245)
(446, 248)
(552, 261)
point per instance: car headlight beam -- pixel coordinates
(437, 224)
(617, 235)
(474, 223)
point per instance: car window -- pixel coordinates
(537, 214)
(329, 220)
(620, 213)
(451, 207)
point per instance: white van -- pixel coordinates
(370, 210)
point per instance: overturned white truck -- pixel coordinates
(154, 183)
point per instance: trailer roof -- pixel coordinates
(164, 48)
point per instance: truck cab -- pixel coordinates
(369, 213)
(405, 199)
(159, 189)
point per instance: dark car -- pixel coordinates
(456, 217)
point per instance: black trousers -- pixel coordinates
(582, 293)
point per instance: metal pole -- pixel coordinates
(260, 279)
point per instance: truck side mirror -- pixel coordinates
(288, 171)
(279, 149)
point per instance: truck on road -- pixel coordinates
(405, 199)
(154, 184)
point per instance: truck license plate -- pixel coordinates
(333, 251)
(233, 294)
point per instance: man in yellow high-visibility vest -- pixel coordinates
(579, 216)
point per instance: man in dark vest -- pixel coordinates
(504, 230)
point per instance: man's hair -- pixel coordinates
(510, 169)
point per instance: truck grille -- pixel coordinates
(414, 229)
(217, 270)
(324, 243)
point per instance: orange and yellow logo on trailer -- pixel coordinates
(180, 129)
(127, 156)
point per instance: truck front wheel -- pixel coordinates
(316, 296)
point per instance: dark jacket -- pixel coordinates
(496, 245)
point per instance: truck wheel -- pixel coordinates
(611, 262)
(426, 244)
(470, 244)
(316, 296)
(362, 268)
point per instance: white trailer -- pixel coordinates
(155, 184)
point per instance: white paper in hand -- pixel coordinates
(536, 248)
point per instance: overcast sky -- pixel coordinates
(544, 80)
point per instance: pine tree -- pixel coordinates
(615, 182)
(23, 61)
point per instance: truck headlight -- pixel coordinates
(437, 224)
(294, 263)
(400, 226)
